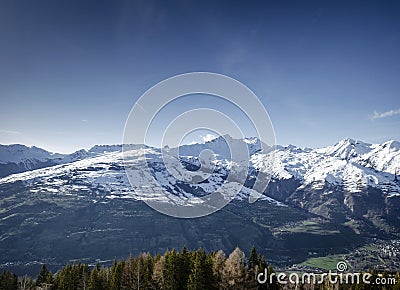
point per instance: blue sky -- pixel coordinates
(70, 71)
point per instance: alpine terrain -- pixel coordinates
(338, 200)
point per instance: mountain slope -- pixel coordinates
(345, 174)
(82, 206)
(19, 158)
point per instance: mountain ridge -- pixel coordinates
(250, 140)
(317, 200)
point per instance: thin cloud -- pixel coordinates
(390, 113)
(10, 132)
(208, 137)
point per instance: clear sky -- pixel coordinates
(70, 71)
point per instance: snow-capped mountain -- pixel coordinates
(83, 204)
(19, 153)
(101, 169)
(349, 163)
(18, 158)
(352, 165)
(335, 174)
(221, 146)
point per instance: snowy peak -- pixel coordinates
(19, 158)
(222, 146)
(348, 148)
(391, 146)
(77, 155)
(384, 157)
(33, 157)
(105, 148)
(18, 153)
(349, 163)
(101, 149)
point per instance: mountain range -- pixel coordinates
(60, 208)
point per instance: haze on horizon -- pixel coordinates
(70, 71)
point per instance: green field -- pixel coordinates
(327, 263)
(310, 227)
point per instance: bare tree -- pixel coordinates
(25, 283)
(234, 271)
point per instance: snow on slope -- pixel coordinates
(351, 164)
(384, 157)
(104, 174)
(17, 153)
(347, 148)
(221, 146)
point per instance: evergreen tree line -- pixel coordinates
(175, 270)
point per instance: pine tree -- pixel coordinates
(98, 279)
(253, 269)
(103, 279)
(183, 268)
(148, 265)
(94, 278)
(253, 259)
(84, 276)
(170, 270)
(8, 281)
(44, 277)
(126, 278)
(197, 277)
(212, 282)
(72, 276)
(75, 276)
(271, 283)
(138, 273)
(116, 275)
